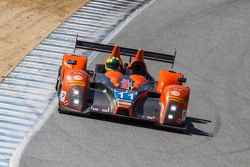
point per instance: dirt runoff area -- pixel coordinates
(24, 23)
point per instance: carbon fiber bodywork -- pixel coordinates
(145, 105)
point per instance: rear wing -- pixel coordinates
(125, 51)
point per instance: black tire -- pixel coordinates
(61, 111)
(57, 82)
(100, 68)
(58, 78)
(58, 88)
(59, 71)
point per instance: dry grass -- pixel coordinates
(24, 23)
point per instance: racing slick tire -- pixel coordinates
(58, 82)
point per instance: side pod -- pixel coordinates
(168, 78)
(174, 103)
(71, 62)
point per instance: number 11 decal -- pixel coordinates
(121, 94)
(131, 96)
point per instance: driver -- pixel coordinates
(113, 64)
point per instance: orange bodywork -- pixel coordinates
(177, 93)
(168, 89)
(116, 52)
(114, 77)
(74, 75)
(80, 65)
(139, 80)
(126, 108)
(171, 89)
(138, 57)
(168, 78)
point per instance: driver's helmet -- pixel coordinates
(113, 63)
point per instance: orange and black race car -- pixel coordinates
(125, 90)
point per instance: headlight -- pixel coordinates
(75, 96)
(173, 113)
(76, 92)
(170, 116)
(76, 101)
(173, 108)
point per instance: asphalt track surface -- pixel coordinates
(213, 39)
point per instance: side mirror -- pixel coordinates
(73, 62)
(183, 80)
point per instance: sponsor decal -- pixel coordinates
(126, 83)
(76, 72)
(77, 77)
(150, 117)
(63, 95)
(124, 103)
(125, 94)
(75, 83)
(177, 99)
(177, 88)
(94, 108)
(175, 93)
(104, 110)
